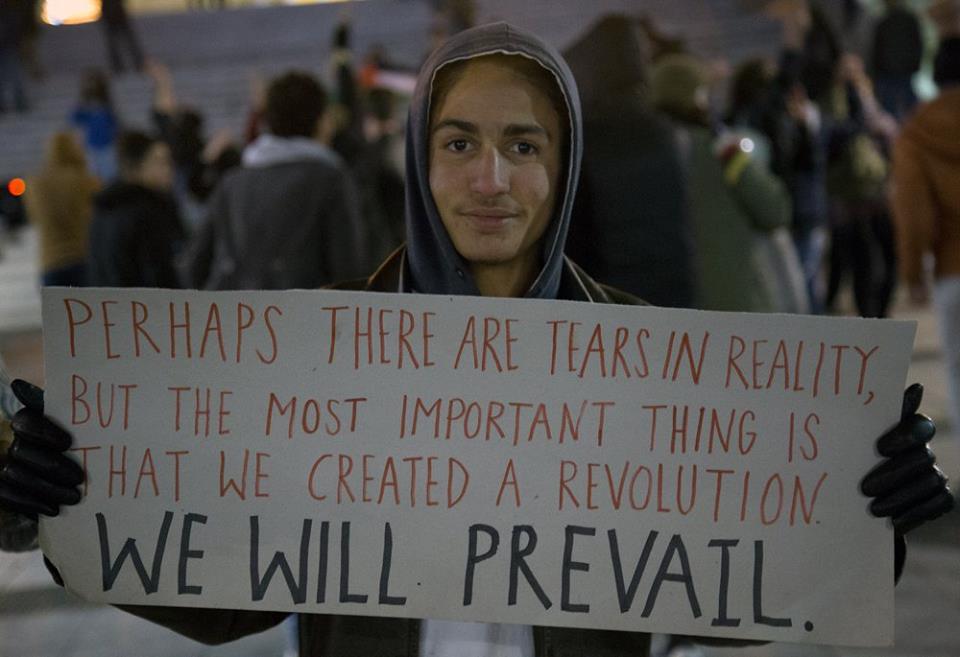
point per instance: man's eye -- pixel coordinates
(458, 145)
(525, 148)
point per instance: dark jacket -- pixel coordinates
(134, 234)
(287, 219)
(897, 44)
(631, 225)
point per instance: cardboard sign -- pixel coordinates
(538, 462)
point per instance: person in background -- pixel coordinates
(793, 124)
(95, 118)
(136, 229)
(896, 55)
(734, 200)
(199, 164)
(926, 206)
(750, 87)
(31, 34)
(631, 226)
(12, 33)
(119, 35)
(861, 234)
(59, 202)
(289, 216)
(378, 170)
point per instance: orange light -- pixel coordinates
(70, 12)
(16, 187)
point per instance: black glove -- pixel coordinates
(35, 476)
(908, 486)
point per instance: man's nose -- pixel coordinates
(491, 176)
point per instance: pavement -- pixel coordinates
(39, 619)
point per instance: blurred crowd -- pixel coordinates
(759, 185)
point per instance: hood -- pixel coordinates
(614, 45)
(936, 124)
(433, 264)
(120, 193)
(268, 150)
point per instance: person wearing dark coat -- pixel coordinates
(136, 230)
(289, 216)
(631, 226)
(119, 34)
(896, 55)
(12, 33)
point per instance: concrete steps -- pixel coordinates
(213, 55)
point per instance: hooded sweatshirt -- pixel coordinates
(926, 197)
(433, 264)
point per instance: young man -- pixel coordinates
(493, 155)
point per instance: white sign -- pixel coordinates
(541, 462)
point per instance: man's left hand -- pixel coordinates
(908, 486)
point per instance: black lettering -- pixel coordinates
(570, 565)
(298, 587)
(677, 547)
(758, 616)
(345, 595)
(322, 562)
(385, 598)
(625, 596)
(518, 563)
(186, 553)
(473, 558)
(722, 620)
(110, 572)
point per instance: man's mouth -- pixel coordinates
(488, 220)
(488, 213)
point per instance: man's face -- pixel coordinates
(494, 165)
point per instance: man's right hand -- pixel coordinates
(35, 476)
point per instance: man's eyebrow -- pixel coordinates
(464, 126)
(520, 129)
(512, 130)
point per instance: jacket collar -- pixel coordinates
(575, 284)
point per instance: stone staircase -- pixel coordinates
(214, 55)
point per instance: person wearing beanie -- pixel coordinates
(926, 206)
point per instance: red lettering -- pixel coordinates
(510, 479)
(73, 322)
(139, 312)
